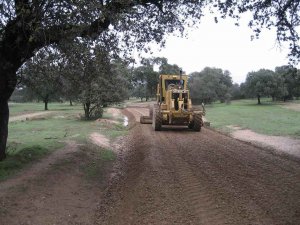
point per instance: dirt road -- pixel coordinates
(177, 176)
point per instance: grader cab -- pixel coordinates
(174, 105)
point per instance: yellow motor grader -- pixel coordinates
(174, 106)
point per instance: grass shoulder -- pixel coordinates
(32, 140)
(270, 118)
(98, 165)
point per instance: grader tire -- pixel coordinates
(197, 122)
(191, 125)
(157, 121)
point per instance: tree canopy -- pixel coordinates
(210, 84)
(41, 76)
(259, 83)
(145, 78)
(281, 84)
(97, 79)
(29, 25)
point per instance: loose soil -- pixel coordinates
(292, 106)
(53, 191)
(175, 176)
(31, 116)
(280, 144)
(100, 140)
(178, 176)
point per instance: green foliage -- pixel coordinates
(165, 67)
(145, 79)
(27, 26)
(209, 85)
(283, 84)
(236, 92)
(40, 76)
(138, 21)
(289, 80)
(259, 83)
(268, 118)
(98, 81)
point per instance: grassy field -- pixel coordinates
(269, 118)
(16, 109)
(32, 139)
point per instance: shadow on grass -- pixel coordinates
(63, 109)
(244, 103)
(261, 104)
(16, 161)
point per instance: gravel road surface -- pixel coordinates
(177, 176)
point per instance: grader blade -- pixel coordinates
(145, 120)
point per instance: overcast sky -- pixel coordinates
(226, 46)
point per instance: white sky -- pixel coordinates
(223, 45)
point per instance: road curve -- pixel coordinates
(177, 176)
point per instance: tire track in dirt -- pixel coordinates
(256, 158)
(40, 167)
(164, 162)
(54, 191)
(195, 190)
(178, 176)
(148, 193)
(247, 180)
(211, 180)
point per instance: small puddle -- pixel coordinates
(125, 121)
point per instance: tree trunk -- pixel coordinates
(46, 105)
(7, 85)
(71, 103)
(46, 100)
(4, 116)
(86, 107)
(258, 99)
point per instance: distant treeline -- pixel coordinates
(212, 84)
(96, 81)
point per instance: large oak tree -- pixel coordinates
(41, 76)
(28, 25)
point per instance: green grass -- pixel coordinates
(40, 137)
(50, 133)
(96, 167)
(107, 155)
(25, 108)
(15, 162)
(117, 131)
(269, 118)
